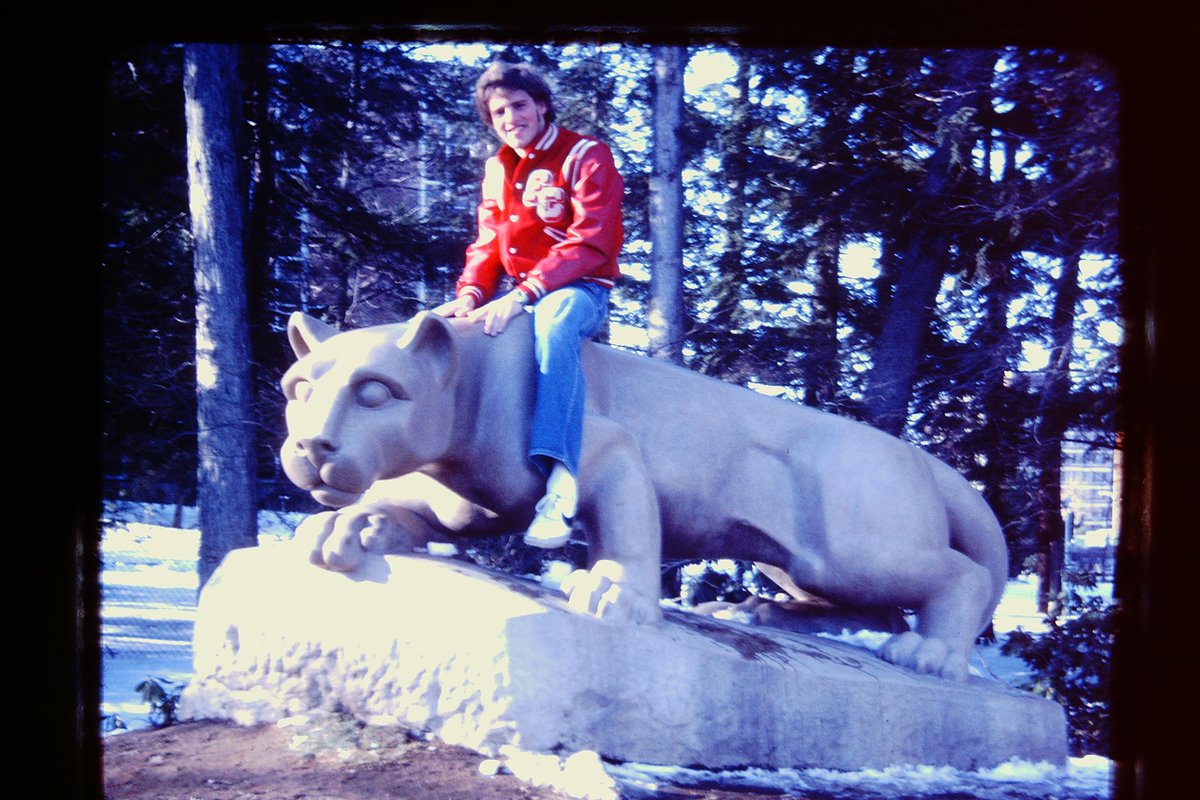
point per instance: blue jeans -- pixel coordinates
(561, 321)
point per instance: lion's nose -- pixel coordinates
(316, 449)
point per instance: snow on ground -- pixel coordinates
(148, 586)
(1084, 778)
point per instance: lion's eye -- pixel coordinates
(301, 390)
(372, 394)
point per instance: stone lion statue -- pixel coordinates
(417, 431)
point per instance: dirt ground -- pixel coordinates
(334, 761)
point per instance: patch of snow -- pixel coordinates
(1087, 778)
(441, 549)
(554, 573)
(1100, 537)
(581, 775)
(871, 640)
(734, 615)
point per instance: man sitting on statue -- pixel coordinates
(550, 219)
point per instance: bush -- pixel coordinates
(163, 697)
(1071, 664)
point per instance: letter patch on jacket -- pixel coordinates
(536, 182)
(550, 200)
(552, 203)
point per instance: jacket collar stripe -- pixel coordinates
(547, 138)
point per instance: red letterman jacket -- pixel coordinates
(548, 219)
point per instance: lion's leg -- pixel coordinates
(947, 620)
(619, 510)
(884, 540)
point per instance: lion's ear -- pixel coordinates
(305, 333)
(430, 337)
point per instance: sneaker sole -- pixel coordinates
(548, 544)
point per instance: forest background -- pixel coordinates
(925, 239)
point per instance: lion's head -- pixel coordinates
(366, 404)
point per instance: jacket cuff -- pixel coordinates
(473, 291)
(533, 288)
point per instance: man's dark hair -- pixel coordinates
(502, 75)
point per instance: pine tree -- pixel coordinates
(148, 359)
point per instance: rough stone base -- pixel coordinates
(484, 660)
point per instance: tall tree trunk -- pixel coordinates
(727, 289)
(225, 435)
(1002, 438)
(1051, 426)
(821, 361)
(666, 207)
(1001, 446)
(898, 349)
(923, 254)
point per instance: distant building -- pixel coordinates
(1091, 484)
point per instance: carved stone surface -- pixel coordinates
(419, 431)
(484, 660)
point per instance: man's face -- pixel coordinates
(516, 118)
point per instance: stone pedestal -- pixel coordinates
(485, 660)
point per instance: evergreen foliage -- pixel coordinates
(148, 362)
(881, 233)
(1071, 664)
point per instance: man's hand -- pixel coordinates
(497, 314)
(458, 307)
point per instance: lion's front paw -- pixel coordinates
(606, 592)
(338, 539)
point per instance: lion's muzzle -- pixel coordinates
(315, 449)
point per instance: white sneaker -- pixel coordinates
(550, 527)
